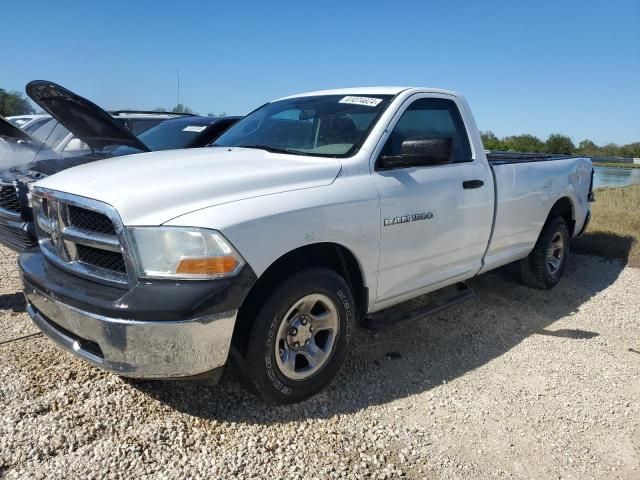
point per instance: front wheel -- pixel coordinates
(544, 266)
(300, 337)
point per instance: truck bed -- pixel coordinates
(501, 158)
(527, 185)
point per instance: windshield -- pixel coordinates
(35, 124)
(324, 125)
(168, 135)
(51, 133)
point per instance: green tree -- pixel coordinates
(180, 108)
(610, 150)
(634, 148)
(13, 103)
(523, 143)
(221, 114)
(490, 141)
(159, 109)
(587, 148)
(629, 150)
(557, 143)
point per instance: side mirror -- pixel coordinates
(420, 152)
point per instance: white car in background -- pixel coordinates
(138, 121)
(29, 123)
(19, 120)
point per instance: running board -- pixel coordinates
(464, 293)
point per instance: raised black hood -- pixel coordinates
(83, 118)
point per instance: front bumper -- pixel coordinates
(133, 348)
(96, 323)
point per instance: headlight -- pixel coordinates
(184, 253)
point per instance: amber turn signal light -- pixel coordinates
(207, 266)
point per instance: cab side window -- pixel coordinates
(430, 118)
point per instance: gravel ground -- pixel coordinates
(517, 383)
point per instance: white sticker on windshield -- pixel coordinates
(193, 128)
(368, 101)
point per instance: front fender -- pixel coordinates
(265, 229)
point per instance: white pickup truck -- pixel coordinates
(268, 249)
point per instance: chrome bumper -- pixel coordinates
(140, 349)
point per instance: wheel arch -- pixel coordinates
(329, 255)
(563, 207)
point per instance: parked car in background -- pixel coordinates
(55, 134)
(29, 122)
(183, 132)
(317, 211)
(138, 121)
(51, 132)
(19, 120)
(104, 136)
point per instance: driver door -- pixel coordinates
(434, 229)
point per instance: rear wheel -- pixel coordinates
(545, 265)
(300, 337)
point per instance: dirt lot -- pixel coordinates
(517, 383)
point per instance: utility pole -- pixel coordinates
(178, 77)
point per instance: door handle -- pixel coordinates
(472, 184)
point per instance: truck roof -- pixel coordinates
(370, 91)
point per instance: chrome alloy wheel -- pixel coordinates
(307, 336)
(555, 253)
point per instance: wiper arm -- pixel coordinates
(271, 149)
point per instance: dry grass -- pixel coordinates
(614, 231)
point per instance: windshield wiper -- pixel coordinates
(271, 149)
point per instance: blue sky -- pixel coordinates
(526, 67)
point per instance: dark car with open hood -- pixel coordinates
(105, 136)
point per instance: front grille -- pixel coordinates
(101, 258)
(80, 235)
(9, 198)
(90, 221)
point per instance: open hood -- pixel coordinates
(83, 118)
(9, 130)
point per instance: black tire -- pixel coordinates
(258, 368)
(536, 270)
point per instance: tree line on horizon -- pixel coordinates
(557, 143)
